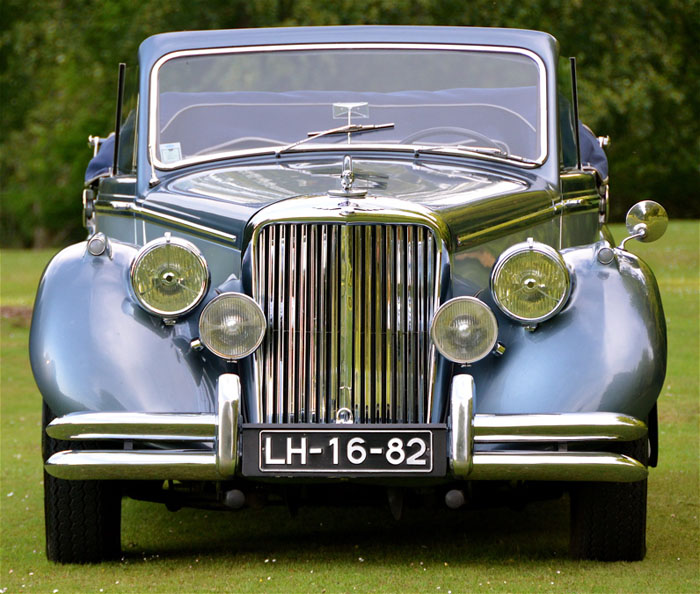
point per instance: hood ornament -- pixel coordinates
(347, 178)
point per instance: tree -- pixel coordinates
(639, 82)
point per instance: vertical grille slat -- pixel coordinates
(279, 330)
(291, 300)
(348, 309)
(333, 326)
(421, 326)
(367, 330)
(390, 323)
(379, 354)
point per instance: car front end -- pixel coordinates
(377, 272)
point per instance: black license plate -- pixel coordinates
(351, 451)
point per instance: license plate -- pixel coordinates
(347, 451)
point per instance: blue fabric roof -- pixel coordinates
(158, 45)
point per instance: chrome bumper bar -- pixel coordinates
(467, 432)
(216, 464)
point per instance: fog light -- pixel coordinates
(464, 330)
(232, 325)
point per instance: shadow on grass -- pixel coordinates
(540, 531)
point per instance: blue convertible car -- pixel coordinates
(324, 261)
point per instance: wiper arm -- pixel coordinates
(347, 129)
(478, 150)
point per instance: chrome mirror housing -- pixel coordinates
(646, 221)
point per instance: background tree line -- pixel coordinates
(639, 81)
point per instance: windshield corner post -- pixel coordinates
(574, 102)
(154, 181)
(118, 117)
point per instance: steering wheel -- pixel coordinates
(473, 134)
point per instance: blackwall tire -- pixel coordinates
(608, 520)
(82, 518)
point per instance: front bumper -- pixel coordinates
(468, 436)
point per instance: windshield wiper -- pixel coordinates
(347, 129)
(478, 150)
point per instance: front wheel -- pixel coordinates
(82, 518)
(608, 520)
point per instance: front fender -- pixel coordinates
(606, 351)
(93, 348)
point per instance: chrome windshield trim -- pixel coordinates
(153, 102)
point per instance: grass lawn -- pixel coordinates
(363, 550)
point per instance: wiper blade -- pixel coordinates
(478, 150)
(347, 129)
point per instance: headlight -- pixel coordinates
(530, 282)
(169, 276)
(464, 330)
(232, 325)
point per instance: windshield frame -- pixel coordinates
(153, 95)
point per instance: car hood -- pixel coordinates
(466, 198)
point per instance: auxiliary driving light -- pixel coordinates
(232, 325)
(464, 330)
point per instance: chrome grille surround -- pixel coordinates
(349, 297)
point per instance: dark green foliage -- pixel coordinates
(638, 71)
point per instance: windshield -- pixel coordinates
(212, 103)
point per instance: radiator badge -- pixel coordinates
(344, 416)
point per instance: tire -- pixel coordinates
(82, 518)
(608, 520)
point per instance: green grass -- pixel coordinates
(360, 550)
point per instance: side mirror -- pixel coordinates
(646, 221)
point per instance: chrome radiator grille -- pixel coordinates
(348, 310)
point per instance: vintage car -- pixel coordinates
(349, 264)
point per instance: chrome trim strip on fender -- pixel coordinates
(118, 208)
(528, 220)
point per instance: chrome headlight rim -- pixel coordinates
(259, 313)
(531, 246)
(181, 243)
(446, 306)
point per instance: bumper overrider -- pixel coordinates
(474, 446)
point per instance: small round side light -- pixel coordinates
(97, 244)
